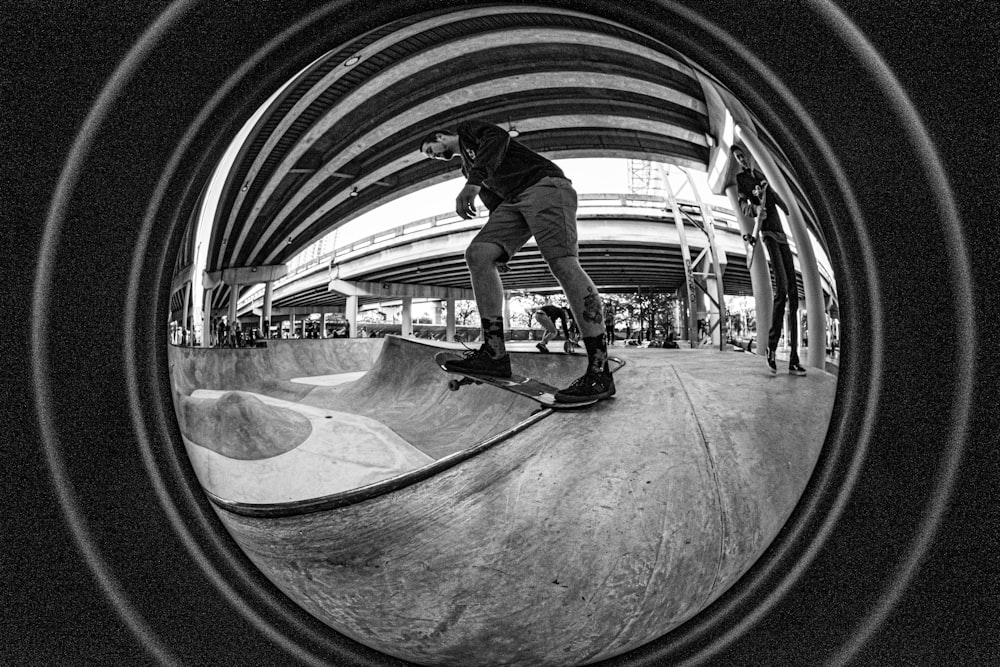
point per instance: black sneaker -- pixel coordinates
(590, 386)
(481, 362)
(796, 369)
(771, 363)
(542, 348)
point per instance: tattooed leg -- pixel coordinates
(593, 310)
(587, 307)
(493, 335)
(597, 353)
(584, 299)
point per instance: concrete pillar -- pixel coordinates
(438, 306)
(680, 326)
(407, 316)
(506, 312)
(712, 269)
(684, 315)
(267, 310)
(233, 297)
(803, 244)
(712, 314)
(691, 299)
(186, 308)
(450, 320)
(760, 275)
(351, 313)
(208, 328)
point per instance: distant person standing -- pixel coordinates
(758, 200)
(527, 195)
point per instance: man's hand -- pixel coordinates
(465, 203)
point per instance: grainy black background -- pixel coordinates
(57, 56)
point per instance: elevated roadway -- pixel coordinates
(626, 240)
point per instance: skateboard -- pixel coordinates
(751, 239)
(568, 346)
(539, 392)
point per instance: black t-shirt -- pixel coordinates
(502, 166)
(746, 181)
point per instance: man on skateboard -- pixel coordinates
(752, 187)
(527, 195)
(547, 316)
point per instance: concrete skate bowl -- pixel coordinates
(264, 438)
(527, 536)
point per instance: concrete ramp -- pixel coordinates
(338, 452)
(408, 392)
(261, 434)
(275, 370)
(570, 541)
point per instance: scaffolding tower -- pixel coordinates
(702, 292)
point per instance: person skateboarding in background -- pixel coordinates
(527, 195)
(547, 316)
(752, 186)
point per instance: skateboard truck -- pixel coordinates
(455, 385)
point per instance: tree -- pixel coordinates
(464, 310)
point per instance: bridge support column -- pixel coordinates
(713, 311)
(449, 327)
(266, 311)
(233, 297)
(184, 312)
(351, 313)
(208, 328)
(697, 271)
(679, 315)
(685, 314)
(407, 316)
(506, 312)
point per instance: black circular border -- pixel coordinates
(182, 589)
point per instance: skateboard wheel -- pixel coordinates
(453, 385)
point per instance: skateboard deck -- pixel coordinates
(751, 242)
(568, 347)
(539, 392)
(753, 238)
